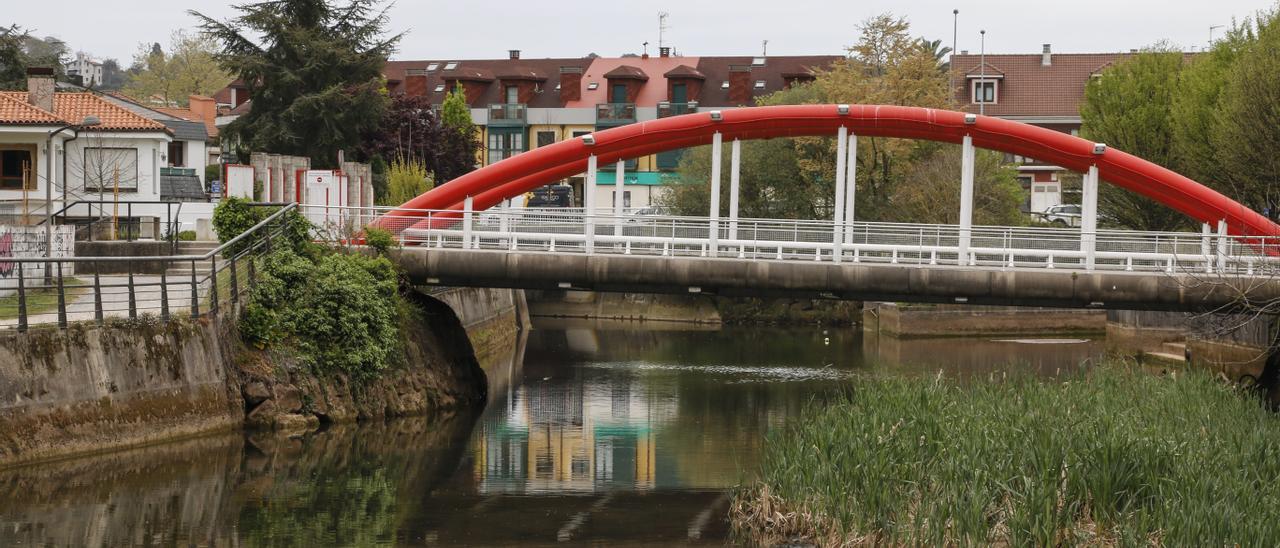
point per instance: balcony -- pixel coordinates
(615, 114)
(508, 114)
(667, 109)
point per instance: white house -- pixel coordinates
(88, 70)
(49, 158)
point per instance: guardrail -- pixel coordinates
(207, 280)
(573, 231)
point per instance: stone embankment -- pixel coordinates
(131, 383)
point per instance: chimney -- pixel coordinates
(203, 107)
(513, 54)
(570, 84)
(964, 52)
(1046, 58)
(415, 82)
(664, 51)
(40, 87)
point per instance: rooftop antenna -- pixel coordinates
(764, 48)
(646, 48)
(662, 28)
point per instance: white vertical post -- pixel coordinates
(1223, 242)
(1089, 217)
(504, 221)
(620, 177)
(966, 199)
(735, 176)
(467, 218)
(851, 182)
(717, 142)
(837, 215)
(589, 205)
(1205, 231)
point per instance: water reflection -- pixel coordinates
(603, 432)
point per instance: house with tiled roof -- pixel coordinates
(46, 150)
(1044, 89)
(521, 103)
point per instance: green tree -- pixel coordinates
(772, 186)
(1193, 113)
(313, 69)
(1129, 108)
(455, 113)
(169, 78)
(1246, 132)
(459, 147)
(406, 179)
(20, 50)
(930, 191)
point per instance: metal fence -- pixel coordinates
(574, 231)
(97, 288)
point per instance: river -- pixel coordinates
(595, 432)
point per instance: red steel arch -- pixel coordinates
(524, 172)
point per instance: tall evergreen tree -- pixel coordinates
(458, 144)
(313, 70)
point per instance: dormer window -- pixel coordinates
(593, 86)
(451, 65)
(759, 84)
(724, 85)
(432, 67)
(439, 88)
(985, 91)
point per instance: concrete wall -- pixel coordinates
(963, 321)
(85, 389)
(623, 306)
(29, 241)
(492, 318)
(122, 249)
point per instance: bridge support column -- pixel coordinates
(851, 184)
(838, 206)
(1089, 217)
(1224, 240)
(713, 235)
(467, 221)
(1205, 236)
(966, 200)
(589, 205)
(620, 177)
(735, 176)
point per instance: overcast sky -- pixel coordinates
(572, 28)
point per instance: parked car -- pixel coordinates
(558, 195)
(1062, 215)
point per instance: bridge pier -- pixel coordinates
(713, 236)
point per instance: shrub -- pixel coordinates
(212, 172)
(233, 216)
(187, 236)
(379, 240)
(406, 180)
(340, 312)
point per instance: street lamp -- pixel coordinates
(982, 75)
(88, 121)
(955, 28)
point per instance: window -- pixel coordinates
(593, 86)
(432, 67)
(451, 65)
(724, 85)
(17, 168)
(439, 88)
(618, 93)
(557, 86)
(679, 93)
(546, 138)
(176, 149)
(984, 91)
(759, 84)
(513, 95)
(757, 61)
(108, 168)
(626, 199)
(577, 134)
(505, 144)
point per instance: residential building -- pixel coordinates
(522, 104)
(195, 133)
(85, 69)
(119, 159)
(1044, 89)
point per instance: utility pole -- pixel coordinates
(1211, 29)
(955, 30)
(764, 48)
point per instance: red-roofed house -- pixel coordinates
(1044, 89)
(123, 153)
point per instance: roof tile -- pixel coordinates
(69, 108)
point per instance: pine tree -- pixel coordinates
(313, 70)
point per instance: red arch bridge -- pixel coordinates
(456, 236)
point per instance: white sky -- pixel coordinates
(573, 28)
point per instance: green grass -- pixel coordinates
(40, 301)
(1111, 457)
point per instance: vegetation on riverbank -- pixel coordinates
(1112, 456)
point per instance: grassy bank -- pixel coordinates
(1112, 457)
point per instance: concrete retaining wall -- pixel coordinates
(29, 241)
(964, 321)
(623, 306)
(123, 249)
(493, 319)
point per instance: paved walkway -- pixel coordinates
(115, 299)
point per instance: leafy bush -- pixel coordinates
(233, 216)
(187, 236)
(212, 172)
(406, 180)
(378, 239)
(340, 312)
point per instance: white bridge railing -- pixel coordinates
(571, 231)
